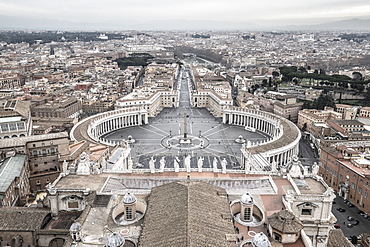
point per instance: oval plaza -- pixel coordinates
(193, 124)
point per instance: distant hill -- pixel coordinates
(344, 25)
(23, 23)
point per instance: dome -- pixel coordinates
(75, 227)
(260, 240)
(115, 240)
(129, 198)
(246, 199)
(285, 222)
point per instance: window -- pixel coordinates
(34, 152)
(128, 213)
(340, 177)
(20, 125)
(352, 185)
(359, 190)
(72, 204)
(306, 211)
(12, 126)
(38, 182)
(365, 194)
(247, 214)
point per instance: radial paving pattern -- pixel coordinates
(209, 138)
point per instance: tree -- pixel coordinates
(264, 83)
(367, 95)
(357, 76)
(302, 70)
(325, 99)
(275, 74)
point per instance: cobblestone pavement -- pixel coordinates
(156, 139)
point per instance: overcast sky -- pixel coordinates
(230, 10)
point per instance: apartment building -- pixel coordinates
(311, 117)
(346, 168)
(349, 112)
(287, 107)
(58, 107)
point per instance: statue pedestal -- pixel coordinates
(185, 141)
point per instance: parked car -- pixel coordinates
(360, 212)
(337, 226)
(349, 225)
(366, 216)
(350, 204)
(355, 222)
(341, 210)
(350, 218)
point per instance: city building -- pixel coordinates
(287, 107)
(14, 183)
(346, 168)
(15, 119)
(58, 108)
(43, 152)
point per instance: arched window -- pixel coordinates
(44, 152)
(56, 242)
(247, 214)
(128, 213)
(52, 150)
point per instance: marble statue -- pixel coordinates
(103, 163)
(315, 169)
(162, 164)
(215, 169)
(200, 164)
(65, 166)
(151, 165)
(83, 167)
(95, 168)
(187, 163)
(176, 164)
(274, 166)
(223, 165)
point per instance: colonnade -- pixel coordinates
(104, 126)
(262, 123)
(279, 149)
(98, 125)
